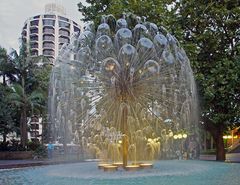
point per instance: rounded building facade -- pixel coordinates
(45, 34)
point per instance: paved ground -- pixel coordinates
(6, 164)
(232, 157)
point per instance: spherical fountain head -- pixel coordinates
(121, 23)
(132, 90)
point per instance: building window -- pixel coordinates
(48, 45)
(34, 45)
(76, 29)
(48, 37)
(48, 22)
(51, 58)
(34, 133)
(24, 40)
(34, 23)
(36, 17)
(25, 26)
(64, 40)
(34, 38)
(34, 126)
(49, 16)
(48, 52)
(64, 33)
(63, 18)
(48, 30)
(64, 24)
(34, 53)
(35, 30)
(24, 33)
(34, 119)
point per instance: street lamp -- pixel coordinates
(180, 137)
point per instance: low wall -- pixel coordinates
(16, 155)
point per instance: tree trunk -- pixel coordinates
(4, 137)
(216, 131)
(4, 80)
(23, 121)
(23, 127)
(220, 151)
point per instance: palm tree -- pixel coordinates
(27, 95)
(28, 104)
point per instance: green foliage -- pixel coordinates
(28, 77)
(208, 31)
(211, 30)
(210, 34)
(40, 152)
(7, 112)
(7, 70)
(153, 10)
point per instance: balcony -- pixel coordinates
(48, 52)
(33, 38)
(76, 29)
(34, 126)
(64, 25)
(48, 30)
(34, 31)
(48, 45)
(47, 37)
(34, 45)
(48, 22)
(34, 52)
(63, 32)
(49, 16)
(63, 39)
(63, 18)
(34, 23)
(24, 33)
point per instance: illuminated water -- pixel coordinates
(174, 172)
(125, 87)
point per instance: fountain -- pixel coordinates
(125, 93)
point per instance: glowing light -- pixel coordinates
(184, 136)
(120, 141)
(109, 67)
(180, 136)
(149, 140)
(175, 137)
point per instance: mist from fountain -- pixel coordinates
(124, 92)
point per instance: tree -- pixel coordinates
(7, 70)
(27, 104)
(153, 10)
(209, 32)
(30, 92)
(7, 113)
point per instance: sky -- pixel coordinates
(13, 14)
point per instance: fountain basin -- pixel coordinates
(146, 166)
(174, 172)
(110, 168)
(132, 167)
